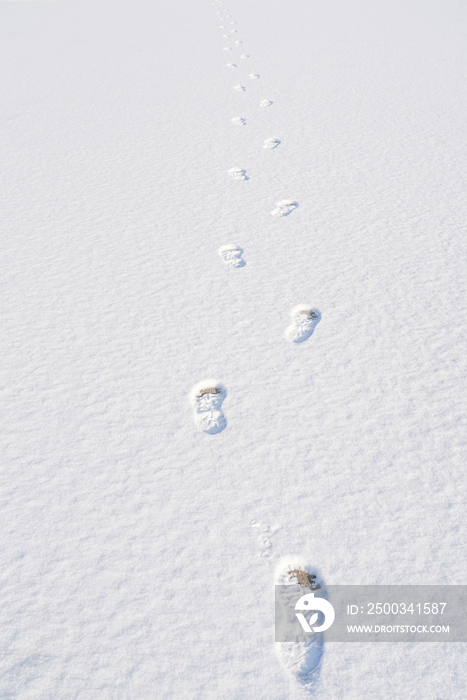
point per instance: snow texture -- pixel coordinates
(130, 568)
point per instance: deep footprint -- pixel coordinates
(253, 76)
(271, 143)
(231, 254)
(207, 398)
(265, 103)
(284, 207)
(304, 322)
(301, 659)
(238, 173)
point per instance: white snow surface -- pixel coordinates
(130, 567)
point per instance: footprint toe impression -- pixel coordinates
(271, 143)
(231, 254)
(238, 173)
(207, 398)
(304, 322)
(284, 207)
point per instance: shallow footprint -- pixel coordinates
(304, 321)
(239, 42)
(238, 121)
(264, 540)
(253, 76)
(231, 254)
(245, 55)
(231, 65)
(207, 398)
(239, 88)
(238, 174)
(271, 143)
(284, 207)
(301, 659)
(227, 48)
(265, 103)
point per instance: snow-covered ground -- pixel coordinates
(139, 552)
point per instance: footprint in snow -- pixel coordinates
(284, 207)
(265, 103)
(233, 31)
(231, 65)
(207, 398)
(239, 42)
(238, 174)
(231, 254)
(227, 48)
(301, 659)
(304, 322)
(253, 76)
(271, 143)
(264, 540)
(238, 121)
(245, 55)
(239, 88)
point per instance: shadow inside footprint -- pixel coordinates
(207, 399)
(231, 254)
(304, 321)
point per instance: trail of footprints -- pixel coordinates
(207, 397)
(303, 658)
